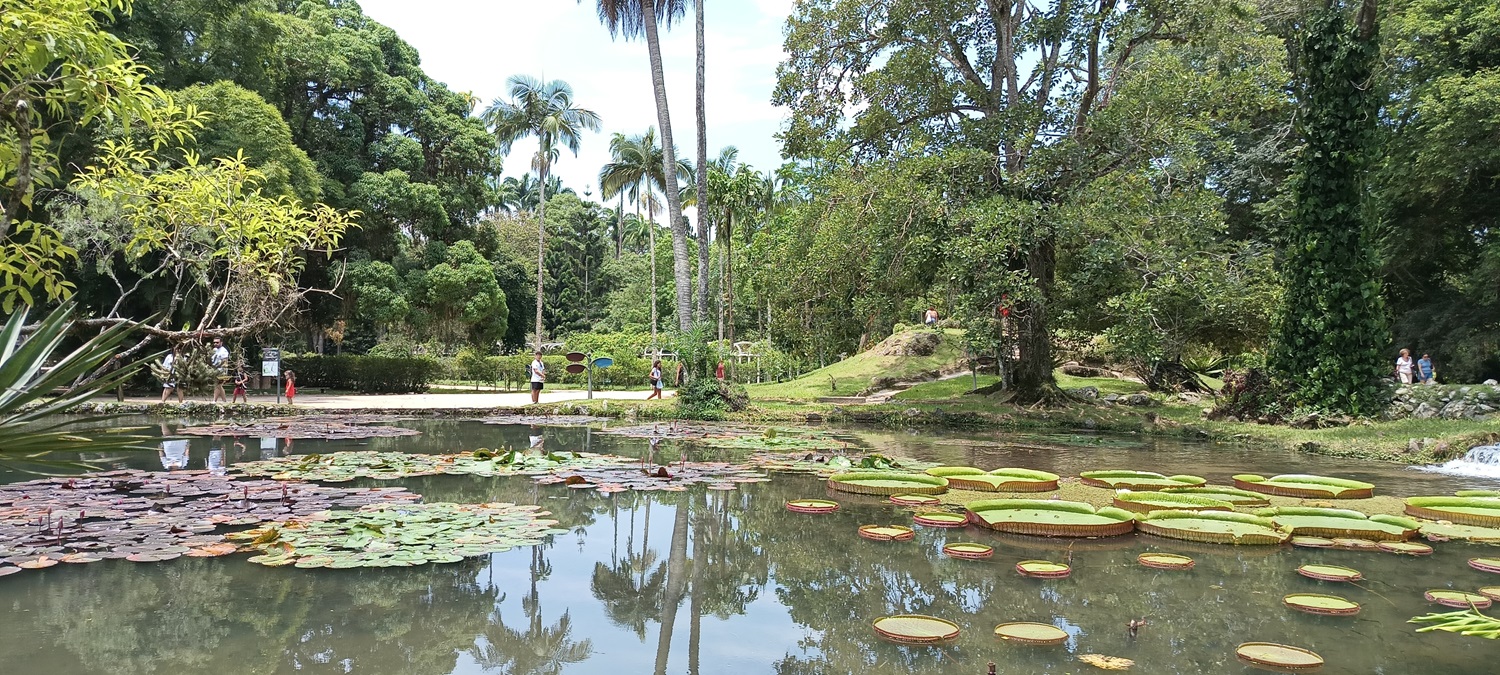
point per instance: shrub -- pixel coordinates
(708, 398)
(1249, 395)
(365, 374)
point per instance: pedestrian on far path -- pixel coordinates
(538, 377)
(220, 361)
(1426, 371)
(241, 380)
(169, 381)
(655, 380)
(1404, 367)
(931, 317)
(719, 372)
(291, 387)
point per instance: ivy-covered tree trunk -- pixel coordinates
(1031, 378)
(1331, 327)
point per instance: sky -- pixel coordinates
(474, 45)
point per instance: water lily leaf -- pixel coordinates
(1106, 662)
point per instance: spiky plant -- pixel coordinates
(37, 387)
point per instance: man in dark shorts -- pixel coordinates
(538, 377)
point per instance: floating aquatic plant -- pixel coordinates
(1278, 656)
(1146, 502)
(886, 532)
(398, 535)
(1444, 531)
(1165, 561)
(914, 500)
(341, 467)
(1312, 542)
(542, 420)
(1028, 633)
(811, 506)
(968, 550)
(1305, 486)
(826, 465)
(153, 516)
(1330, 573)
(1137, 480)
(677, 477)
(998, 480)
(916, 629)
(887, 483)
(1475, 511)
(1103, 662)
(1211, 527)
(1470, 622)
(1485, 564)
(1050, 518)
(1340, 523)
(1234, 496)
(1315, 603)
(327, 427)
(1043, 569)
(1451, 598)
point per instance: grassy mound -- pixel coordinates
(853, 375)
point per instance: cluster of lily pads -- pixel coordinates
(346, 466)
(152, 516)
(676, 477)
(398, 535)
(325, 427)
(542, 420)
(826, 465)
(732, 437)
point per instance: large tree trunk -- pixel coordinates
(702, 173)
(680, 268)
(541, 250)
(1032, 379)
(620, 228)
(729, 291)
(675, 587)
(651, 244)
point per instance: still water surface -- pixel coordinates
(729, 582)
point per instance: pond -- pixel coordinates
(710, 581)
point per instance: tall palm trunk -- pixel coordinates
(729, 292)
(620, 227)
(680, 267)
(651, 244)
(702, 172)
(675, 588)
(541, 250)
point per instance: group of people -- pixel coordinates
(1411, 372)
(219, 360)
(538, 372)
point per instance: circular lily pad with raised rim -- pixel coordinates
(1485, 564)
(1050, 518)
(1305, 486)
(940, 519)
(37, 563)
(812, 505)
(1165, 561)
(1491, 592)
(1146, 502)
(1329, 573)
(1312, 542)
(999, 480)
(1278, 656)
(915, 629)
(1314, 603)
(1028, 633)
(1043, 569)
(1234, 496)
(1476, 511)
(914, 500)
(1355, 544)
(1340, 524)
(887, 483)
(968, 550)
(886, 532)
(1211, 527)
(1138, 480)
(7, 570)
(1460, 599)
(1405, 547)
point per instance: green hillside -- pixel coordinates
(899, 357)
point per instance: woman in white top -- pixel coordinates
(1403, 367)
(538, 376)
(169, 384)
(655, 380)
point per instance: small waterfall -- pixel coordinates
(1480, 462)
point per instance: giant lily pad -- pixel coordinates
(1211, 527)
(673, 478)
(886, 532)
(887, 483)
(915, 629)
(1476, 511)
(1405, 547)
(914, 500)
(1138, 480)
(1329, 573)
(811, 506)
(1165, 561)
(940, 519)
(1029, 633)
(1315, 603)
(1340, 523)
(400, 536)
(1049, 518)
(999, 480)
(308, 426)
(1043, 569)
(1146, 502)
(1460, 599)
(1234, 496)
(1444, 531)
(1306, 486)
(1278, 656)
(970, 550)
(1485, 564)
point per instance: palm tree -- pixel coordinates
(544, 110)
(636, 168)
(702, 175)
(633, 18)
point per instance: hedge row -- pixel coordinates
(365, 374)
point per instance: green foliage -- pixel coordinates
(240, 121)
(32, 372)
(365, 374)
(1330, 330)
(709, 399)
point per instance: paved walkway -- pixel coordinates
(465, 401)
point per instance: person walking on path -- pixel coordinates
(719, 372)
(1426, 371)
(241, 382)
(1403, 367)
(291, 387)
(655, 380)
(169, 380)
(538, 377)
(220, 362)
(931, 317)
